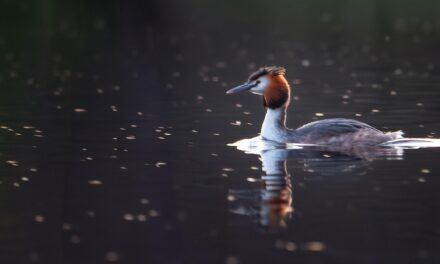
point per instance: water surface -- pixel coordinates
(114, 127)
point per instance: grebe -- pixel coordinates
(273, 86)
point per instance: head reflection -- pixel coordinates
(271, 205)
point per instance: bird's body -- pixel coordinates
(270, 83)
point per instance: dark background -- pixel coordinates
(158, 70)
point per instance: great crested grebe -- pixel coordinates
(273, 86)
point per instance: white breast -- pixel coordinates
(274, 125)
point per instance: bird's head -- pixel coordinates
(270, 83)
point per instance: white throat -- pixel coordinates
(274, 125)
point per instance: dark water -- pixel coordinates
(114, 129)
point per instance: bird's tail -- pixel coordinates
(400, 142)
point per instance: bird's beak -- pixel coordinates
(244, 87)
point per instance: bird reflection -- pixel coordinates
(271, 206)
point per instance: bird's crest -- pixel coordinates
(273, 70)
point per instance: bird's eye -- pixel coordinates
(258, 82)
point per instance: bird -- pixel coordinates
(270, 83)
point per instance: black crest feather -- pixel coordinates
(274, 70)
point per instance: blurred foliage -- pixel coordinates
(18, 19)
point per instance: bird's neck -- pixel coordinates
(276, 98)
(274, 124)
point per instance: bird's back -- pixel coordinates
(341, 131)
